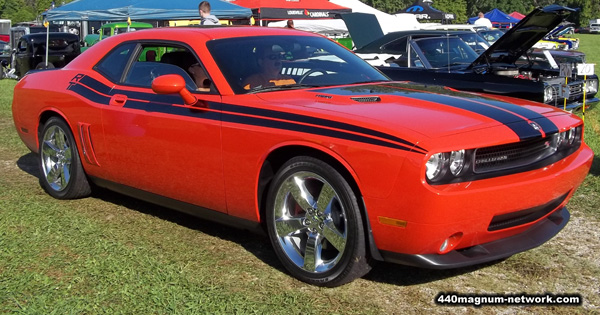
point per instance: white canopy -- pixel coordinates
(337, 27)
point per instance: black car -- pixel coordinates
(504, 68)
(31, 51)
(5, 51)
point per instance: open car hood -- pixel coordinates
(519, 39)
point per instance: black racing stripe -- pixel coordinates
(517, 124)
(94, 90)
(258, 121)
(89, 94)
(95, 85)
(277, 124)
(316, 121)
(547, 125)
(175, 110)
(104, 89)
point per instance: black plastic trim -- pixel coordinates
(197, 211)
(535, 236)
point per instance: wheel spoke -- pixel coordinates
(67, 154)
(65, 174)
(60, 139)
(49, 149)
(325, 198)
(312, 252)
(288, 226)
(334, 236)
(52, 175)
(301, 195)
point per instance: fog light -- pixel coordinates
(450, 243)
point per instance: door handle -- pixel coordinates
(118, 100)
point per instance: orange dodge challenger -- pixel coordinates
(287, 132)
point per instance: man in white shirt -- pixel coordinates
(483, 21)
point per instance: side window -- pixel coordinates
(106, 32)
(415, 61)
(397, 46)
(154, 60)
(22, 46)
(113, 64)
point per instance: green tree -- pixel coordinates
(458, 7)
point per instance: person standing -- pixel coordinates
(483, 21)
(205, 17)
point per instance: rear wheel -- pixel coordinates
(62, 175)
(315, 224)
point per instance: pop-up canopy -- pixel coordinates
(423, 11)
(120, 10)
(498, 18)
(286, 9)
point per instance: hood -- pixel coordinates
(363, 28)
(426, 112)
(519, 39)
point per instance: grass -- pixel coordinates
(113, 254)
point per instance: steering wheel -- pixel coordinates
(304, 76)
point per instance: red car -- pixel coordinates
(289, 132)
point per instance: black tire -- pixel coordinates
(61, 172)
(318, 235)
(42, 65)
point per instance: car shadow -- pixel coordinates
(400, 275)
(256, 244)
(28, 163)
(595, 170)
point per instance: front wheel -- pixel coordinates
(62, 175)
(315, 224)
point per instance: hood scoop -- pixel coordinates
(366, 99)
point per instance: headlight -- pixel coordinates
(591, 86)
(457, 162)
(436, 166)
(567, 140)
(571, 136)
(548, 94)
(446, 167)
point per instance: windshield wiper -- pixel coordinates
(281, 88)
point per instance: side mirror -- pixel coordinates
(173, 84)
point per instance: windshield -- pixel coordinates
(441, 52)
(252, 64)
(475, 41)
(491, 35)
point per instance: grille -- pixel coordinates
(505, 221)
(512, 155)
(575, 92)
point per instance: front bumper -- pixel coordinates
(535, 236)
(589, 103)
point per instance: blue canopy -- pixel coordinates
(497, 17)
(120, 10)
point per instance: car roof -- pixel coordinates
(124, 24)
(193, 35)
(42, 36)
(210, 32)
(375, 46)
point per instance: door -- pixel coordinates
(155, 142)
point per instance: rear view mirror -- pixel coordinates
(173, 84)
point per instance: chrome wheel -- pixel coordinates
(310, 222)
(62, 174)
(56, 158)
(315, 224)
